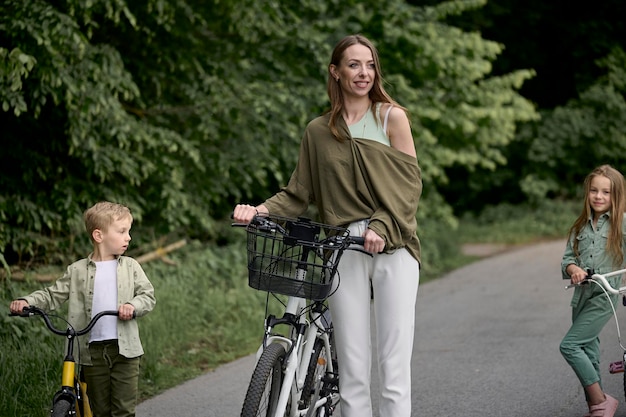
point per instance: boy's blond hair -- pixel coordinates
(101, 215)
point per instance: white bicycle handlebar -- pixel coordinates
(601, 279)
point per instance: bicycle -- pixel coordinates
(601, 280)
(296, 372)
(71, 399)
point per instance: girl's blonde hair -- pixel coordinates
(618, 207)
(101, 215)
(377, 94)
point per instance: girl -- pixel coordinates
(595, 242)
(358, 165)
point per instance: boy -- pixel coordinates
(105, 280)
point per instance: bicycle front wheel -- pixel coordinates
(267, 378)
(61, 408)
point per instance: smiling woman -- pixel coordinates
(361, 171)
(355, 72)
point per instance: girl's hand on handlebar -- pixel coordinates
(576, 274)
(244, 213)
(373, 243)
(126, 312)
(17, 306)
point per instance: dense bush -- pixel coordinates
(179, 109)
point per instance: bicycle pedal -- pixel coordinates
(616, 367)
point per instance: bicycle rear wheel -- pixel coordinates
(61, 408)
(318, 383)
(267, 379)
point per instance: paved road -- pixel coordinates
(486, 344)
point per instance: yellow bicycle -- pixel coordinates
(71, 400)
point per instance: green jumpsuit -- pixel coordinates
(590, 307)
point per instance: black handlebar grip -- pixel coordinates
(358, 240)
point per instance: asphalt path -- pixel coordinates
(486, 344)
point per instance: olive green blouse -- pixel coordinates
(353, 180)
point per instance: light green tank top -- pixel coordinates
(370, 126)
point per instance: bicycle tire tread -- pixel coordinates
(61, 408)
(271, 358)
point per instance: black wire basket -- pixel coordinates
(292, 257)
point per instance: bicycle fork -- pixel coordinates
(69, 389)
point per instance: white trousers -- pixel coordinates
(394, 279)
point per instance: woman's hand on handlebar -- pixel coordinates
(244, 213)
(373, 243)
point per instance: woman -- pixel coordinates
(358, 166)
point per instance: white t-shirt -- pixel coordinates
(105, 298)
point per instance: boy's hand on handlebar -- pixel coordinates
(126, 312)
(373, 243)
(17, 306)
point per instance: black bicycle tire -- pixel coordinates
(312, 375)
(624, 378)
(61, 408)
(269, 370)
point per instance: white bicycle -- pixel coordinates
(296, 373)
(602, 282)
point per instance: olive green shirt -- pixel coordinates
(76, 286)
(353, 180)
(592, 255)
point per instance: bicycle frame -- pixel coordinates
(295, 374)
(299, 351)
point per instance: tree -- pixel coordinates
(181, 108)
(575, 138)
(561, 41)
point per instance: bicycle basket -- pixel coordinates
(288, 257)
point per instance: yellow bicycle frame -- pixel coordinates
(82, 402)
(70, 379)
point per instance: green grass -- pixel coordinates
(519, 225)
(206, 314)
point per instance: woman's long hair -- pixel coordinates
(377, 94)
(618, 206)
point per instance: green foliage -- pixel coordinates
(179, 109)
(15, 66)
(573, 139)
(30, 359)
(205, 315)
(519, 224)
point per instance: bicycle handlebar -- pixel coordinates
(36, 311)
(265, 224)
(601, 279)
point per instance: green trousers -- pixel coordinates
(581, 345)
(112, 381)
